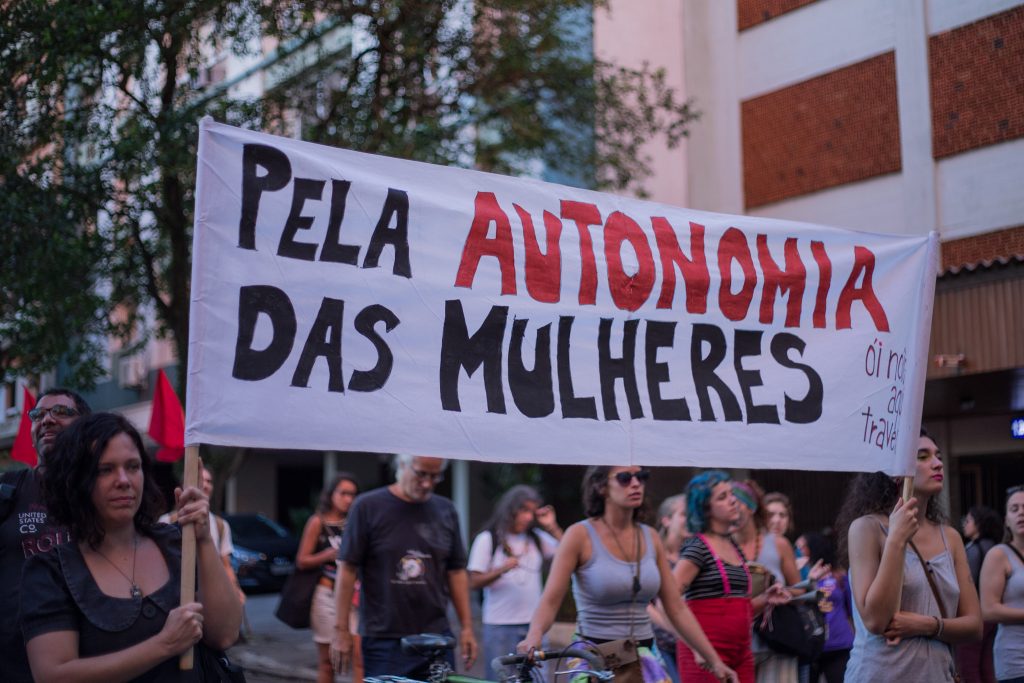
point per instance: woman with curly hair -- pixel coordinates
(617, 565)
(105, 606)
(505, 560)
(902, 631)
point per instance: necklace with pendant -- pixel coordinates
(135, 591)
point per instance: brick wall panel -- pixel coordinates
(753, 12)
(830, 130)
(985, 247)
(977, 83)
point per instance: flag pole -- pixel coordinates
(908, 488)
(188, 548)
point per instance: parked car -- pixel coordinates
(264, 552)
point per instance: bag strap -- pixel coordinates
(931, 580)
(220, 532)
(938, 599)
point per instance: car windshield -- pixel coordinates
(256, 527)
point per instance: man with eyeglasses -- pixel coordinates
(24, 528)
(403, 544)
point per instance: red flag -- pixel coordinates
(23, 450)
(167, 421)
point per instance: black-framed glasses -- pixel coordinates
(57, 411)
(624, 478)
(433, 477)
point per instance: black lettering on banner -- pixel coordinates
(365, 323)
(333, 250)
(660, 335)
(459, 350)
(532, 390)
(808, 409)
(704, 377)
(305, 188)
(252, 364)
(279, 172)
(622, 368)
(397, 205)
(324, 341)
(572, 405)
(748, 343)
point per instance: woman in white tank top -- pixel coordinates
(617, 565)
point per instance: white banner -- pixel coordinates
(351, 302)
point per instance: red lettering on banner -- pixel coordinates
(824, 282)
(629, 292)
(478, 244)
(694, 268)
(585, 215)
(733, 247)
(863, 262)
(543, 271)
(791, 281)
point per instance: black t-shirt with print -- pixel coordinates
(26, 532)
(403, 552)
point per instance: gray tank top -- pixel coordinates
(603, 590)
(1009, 645)
(914, 659)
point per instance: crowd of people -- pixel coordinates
(94, 576)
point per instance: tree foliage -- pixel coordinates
(101, 104)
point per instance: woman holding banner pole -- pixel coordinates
(106, 606)
(617, 565)
(913, 596)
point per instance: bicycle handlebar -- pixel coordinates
(595, 661)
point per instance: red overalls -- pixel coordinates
(726, 622)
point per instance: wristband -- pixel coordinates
(938, 628)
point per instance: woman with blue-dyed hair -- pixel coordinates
(713, 576)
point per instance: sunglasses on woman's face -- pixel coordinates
(624, 478)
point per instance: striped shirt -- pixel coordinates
(708, 582)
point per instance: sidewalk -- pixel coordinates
(274, 652)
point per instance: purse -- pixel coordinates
(297, 597)
(622, 659)
(942, 608)
(795, 628)
(215, 667)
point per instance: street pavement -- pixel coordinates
(273, 652)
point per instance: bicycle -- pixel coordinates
(433, 647)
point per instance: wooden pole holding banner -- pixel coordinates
(908, 489)
(188, 548)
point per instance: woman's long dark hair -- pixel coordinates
(71, 471)
(500, 522)
(988, 523)
(871, 493)
(595, 489)
(325, 504)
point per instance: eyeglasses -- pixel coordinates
(57, 411)
(433, 477)
(624, 478)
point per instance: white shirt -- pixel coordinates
(513, 596)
